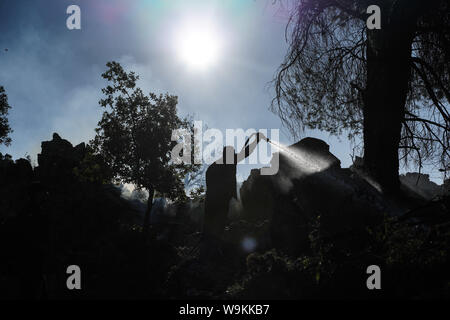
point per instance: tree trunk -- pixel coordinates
(388, 74)
(145, 227)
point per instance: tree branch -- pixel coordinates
(430, 91)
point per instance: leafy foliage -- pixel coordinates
(93, 168)
(198, 194)
(323, 81)
(134, 134)
(5, 129)
(413, 257)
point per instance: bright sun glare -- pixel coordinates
(199, 47)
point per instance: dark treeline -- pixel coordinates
(280, 244)
(297, 234)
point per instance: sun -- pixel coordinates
(199, 47)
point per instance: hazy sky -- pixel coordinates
(52, 75)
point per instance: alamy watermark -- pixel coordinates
(73, 22)
(208, 147)
(74, 280)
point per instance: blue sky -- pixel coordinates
(52, 75)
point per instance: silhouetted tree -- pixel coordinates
(5, 129)
(391, 84)
(134, 136)
(93, 168)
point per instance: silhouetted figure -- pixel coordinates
(221, 188)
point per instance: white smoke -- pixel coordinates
(235, 209)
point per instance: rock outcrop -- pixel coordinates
(310, 187)
(57, 160)
(421, 185)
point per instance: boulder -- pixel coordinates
(421, 185)
(309, 186)
(58, 158)
(257, 208)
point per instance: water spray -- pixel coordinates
(301, 160)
